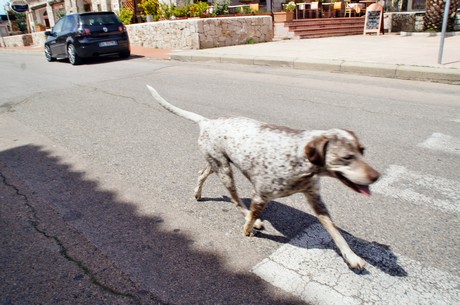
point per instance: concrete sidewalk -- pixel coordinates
(393, 56)
(390, 55)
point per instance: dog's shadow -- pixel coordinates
(291, 222)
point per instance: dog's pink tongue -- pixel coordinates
(364, 189)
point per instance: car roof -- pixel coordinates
(91, 13)
(96, 13)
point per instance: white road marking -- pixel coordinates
(442, 142)
(420, 189)
(310, 268)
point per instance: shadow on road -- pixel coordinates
(164, 265)
(291, 222)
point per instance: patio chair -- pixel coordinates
(348, 9)
(314, 9)
(301, 6)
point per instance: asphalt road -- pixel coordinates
(97, 187)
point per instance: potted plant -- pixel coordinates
(287, 14)
(40, 27)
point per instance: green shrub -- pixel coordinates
(151, 8)
(221, 7)
(180, 11)
(197, 9)
(126, 15)
(167, 11)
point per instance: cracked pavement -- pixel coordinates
(43, 256)
(310, 268)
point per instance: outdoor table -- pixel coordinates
(367, 2)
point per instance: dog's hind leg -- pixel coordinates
(252, 217)
(201, 179)
(225, 174)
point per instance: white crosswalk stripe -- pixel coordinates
(309, 268)
(420, 189)
(442, 142)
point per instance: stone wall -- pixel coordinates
(194, 33)
(34, 39)
(201, 33)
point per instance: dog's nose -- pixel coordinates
(373, 175)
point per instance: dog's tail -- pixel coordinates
(180, 112)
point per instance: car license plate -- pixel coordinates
(108, 43)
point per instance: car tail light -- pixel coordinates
(85, 32)
(122, 29)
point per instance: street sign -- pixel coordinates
(19, 6)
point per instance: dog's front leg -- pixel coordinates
(318, 206)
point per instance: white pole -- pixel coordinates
(443, 33)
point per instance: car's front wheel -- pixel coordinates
(74, 59)
(48, 55)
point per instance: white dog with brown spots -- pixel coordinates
(280, 161)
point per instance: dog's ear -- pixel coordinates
(316, 150)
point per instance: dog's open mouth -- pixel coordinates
(363, 189)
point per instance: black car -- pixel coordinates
(84, 35)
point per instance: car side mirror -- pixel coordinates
(48, 33)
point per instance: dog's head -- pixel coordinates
(340, 154)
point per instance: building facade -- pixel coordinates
(45, 13)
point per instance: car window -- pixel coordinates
(58, 26)
(105, 19)
(69, 24)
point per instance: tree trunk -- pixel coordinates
(435, 14)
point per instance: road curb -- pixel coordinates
(434, 74)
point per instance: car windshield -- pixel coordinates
(105, 19)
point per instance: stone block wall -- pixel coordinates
(176, 34)
(201, 33)
(35, 39)
(230, 31)
(403, 22)
(193, 33)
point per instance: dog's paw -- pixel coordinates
(248, 233)
(356, 262)
(258, 224)
(197, 195)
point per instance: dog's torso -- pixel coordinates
(272, 157)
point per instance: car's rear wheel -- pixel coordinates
(124, 54)
(48, 55)
(74, 59)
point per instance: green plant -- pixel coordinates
(151, 8)
(166, 10)
(250, 41)
(197, 9)
(126, 15)
(180, 11)
(290, 7)
(221, 7)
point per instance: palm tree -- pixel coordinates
(435, 13)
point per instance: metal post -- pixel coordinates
(5, 7)
(444, 28)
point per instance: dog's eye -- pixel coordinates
(349, 157)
